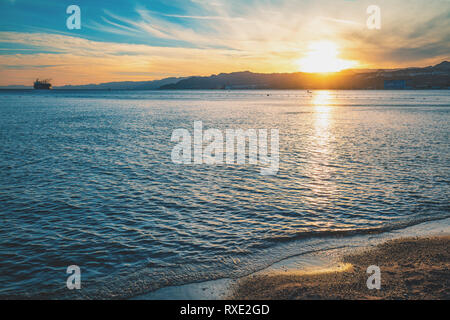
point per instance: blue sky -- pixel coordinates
(144, 40)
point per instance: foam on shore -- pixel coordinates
(309, 263)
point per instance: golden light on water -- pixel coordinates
(321, 144)
(321, 101)
(322, 57)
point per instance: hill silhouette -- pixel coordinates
(432, 77)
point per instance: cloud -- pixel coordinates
(113, 61)
(200, 38)
(422, 37)
(341, 21)
(28, 66)
(288, 26)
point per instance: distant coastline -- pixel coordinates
(429, 78)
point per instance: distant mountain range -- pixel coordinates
(435, 77)
(126, 85)
(432, 77)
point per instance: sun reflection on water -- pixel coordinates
(321, 145)
(321, 102)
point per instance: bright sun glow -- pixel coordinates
(323, 57)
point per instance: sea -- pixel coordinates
(87, 179)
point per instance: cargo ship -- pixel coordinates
(42, 84)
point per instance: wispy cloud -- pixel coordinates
(28, 66)
(203, 37)
(342, 21)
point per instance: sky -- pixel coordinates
(141, 40)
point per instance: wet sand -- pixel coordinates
(411, 268)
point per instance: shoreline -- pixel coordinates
(302, 264)
(410, 269)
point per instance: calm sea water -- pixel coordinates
(86, 178)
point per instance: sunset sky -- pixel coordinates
(153, 39)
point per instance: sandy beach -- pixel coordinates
(411, 268)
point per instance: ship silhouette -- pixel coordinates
(42, 84)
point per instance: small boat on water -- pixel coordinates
(42, 84)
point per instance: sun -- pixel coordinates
(322, 56)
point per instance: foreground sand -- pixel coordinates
(415, 268)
